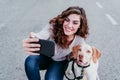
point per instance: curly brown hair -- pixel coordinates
(57, 22)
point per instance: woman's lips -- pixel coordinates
(67, 29)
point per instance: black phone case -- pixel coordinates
(47, 47)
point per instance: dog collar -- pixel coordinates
(83, 66)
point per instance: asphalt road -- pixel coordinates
(20, 17)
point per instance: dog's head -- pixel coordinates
(84, 53)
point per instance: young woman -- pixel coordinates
(66, 30)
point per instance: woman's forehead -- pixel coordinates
(74, 17)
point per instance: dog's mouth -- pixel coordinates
(81, 63)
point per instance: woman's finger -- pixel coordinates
(28, 43)
(28, 40)
(32, 35)
(31, 49)
(32, 45)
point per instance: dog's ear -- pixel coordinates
(75, 51)
(96, 54)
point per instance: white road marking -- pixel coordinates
(99, 5)
(112, 20)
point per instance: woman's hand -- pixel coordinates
(29, 47)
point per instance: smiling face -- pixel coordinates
(83, 54)
(71, 24)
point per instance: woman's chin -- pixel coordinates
(68, 33)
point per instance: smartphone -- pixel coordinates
(47, 47)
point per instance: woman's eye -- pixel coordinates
(75, 23)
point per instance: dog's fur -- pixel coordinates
(85, 55)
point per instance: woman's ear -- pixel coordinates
(96, 54)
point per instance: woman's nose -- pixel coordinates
(70, 24)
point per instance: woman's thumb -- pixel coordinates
(32, 35)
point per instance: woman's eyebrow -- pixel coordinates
(76, 20)
(67, 18)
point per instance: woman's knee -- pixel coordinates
(31, 61)
(54, 76)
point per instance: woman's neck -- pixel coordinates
(70, 39)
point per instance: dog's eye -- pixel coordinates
(88, 51)
(79, 49)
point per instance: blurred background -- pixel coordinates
(20, 17)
